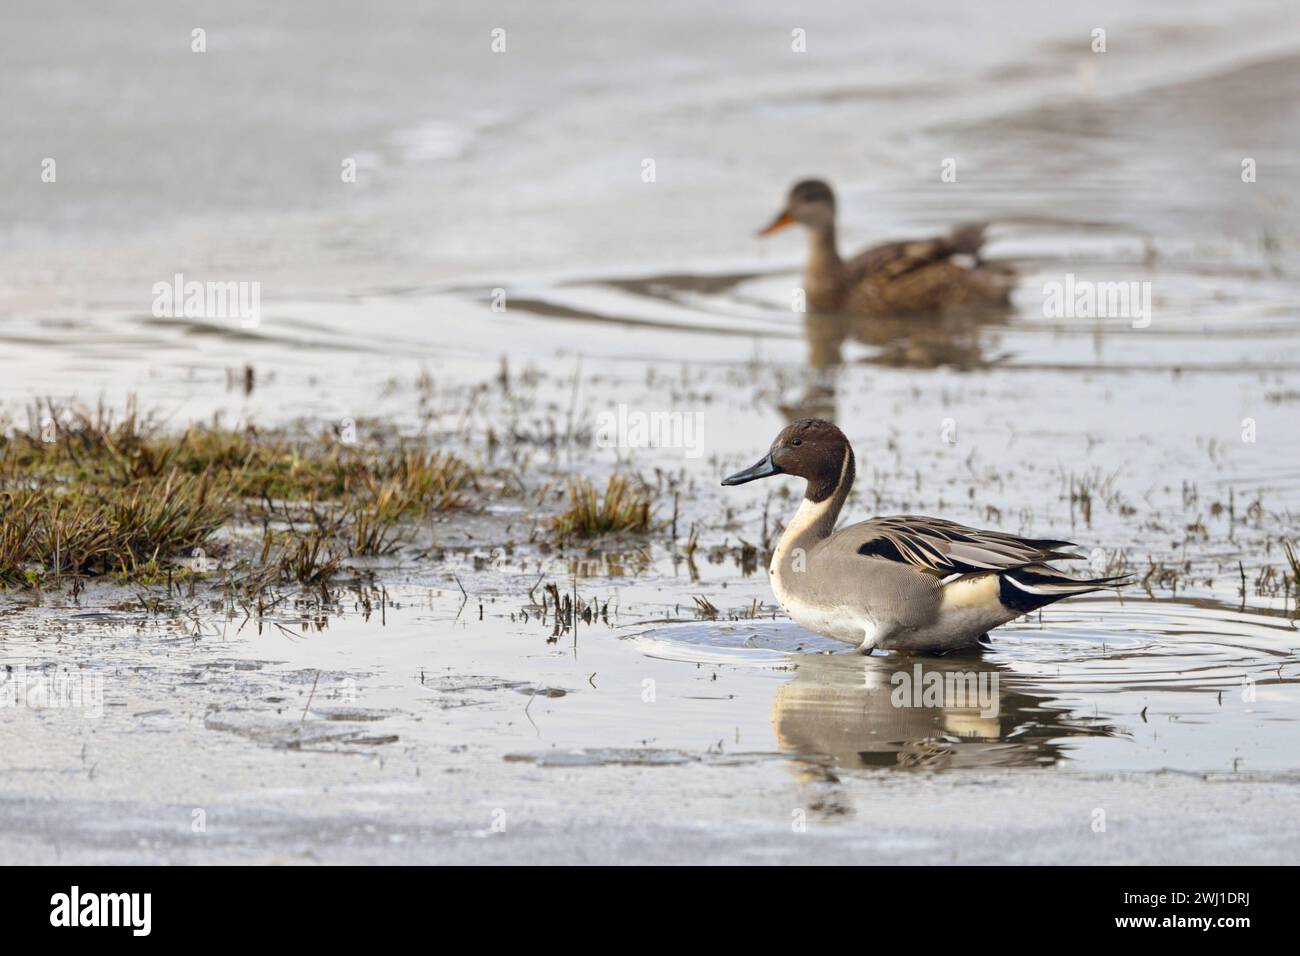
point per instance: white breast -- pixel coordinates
(843, 624)
(786, 571)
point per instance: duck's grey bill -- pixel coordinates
(763, 469)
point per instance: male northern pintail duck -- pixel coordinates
(910, 277)
(905, 583)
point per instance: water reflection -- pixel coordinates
(961, 341)
(1106, 685)
(941, 713)
(955, 340)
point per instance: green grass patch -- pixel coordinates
(87, 493)
(623, 507)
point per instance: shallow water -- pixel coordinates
(1101, 686)
(1096, 685)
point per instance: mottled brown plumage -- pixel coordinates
(911, 277)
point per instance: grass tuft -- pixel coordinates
(88, 493)
(49, 532)
(624, 507)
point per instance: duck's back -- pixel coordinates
(919, 276)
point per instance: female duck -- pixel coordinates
(898, 278)
(905, 583)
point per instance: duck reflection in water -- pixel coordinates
(848, 711)
(963, 342)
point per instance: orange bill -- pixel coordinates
(777, 224)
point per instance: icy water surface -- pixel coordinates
(1096, 685)
(1100, 685)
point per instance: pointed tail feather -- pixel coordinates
(1029, 588)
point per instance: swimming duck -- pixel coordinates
(911, 277)
(906, 583)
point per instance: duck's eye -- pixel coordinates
(797, 442)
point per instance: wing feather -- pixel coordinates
(946, 548)
(891, 260)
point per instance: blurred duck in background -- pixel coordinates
(912, 277)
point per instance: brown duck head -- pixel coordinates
(810, 448)
(811, 203)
